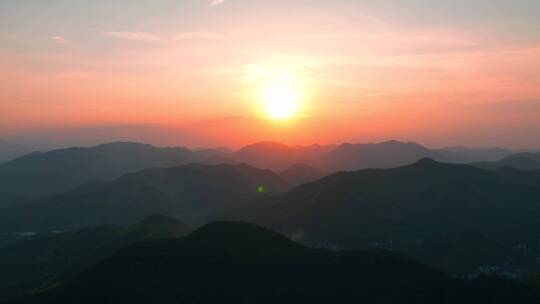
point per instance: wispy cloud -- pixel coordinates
(147, 36)
(139, 36)
(59, 39)
(216, 2)
(194, 35)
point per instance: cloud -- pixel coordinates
(139, 36)
(147, 36)
(217, 2)
(59, 39)
(194, 35)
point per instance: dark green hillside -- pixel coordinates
(231, 262)
(394, 208)
(187, 192)
(49, 259)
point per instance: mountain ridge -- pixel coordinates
(187, 192)
(49, 259)
(272, 270)
(392, 207)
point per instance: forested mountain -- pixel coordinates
(41, 174)
(394, 208)
(187, 192)
(242, 263)
(48, 259)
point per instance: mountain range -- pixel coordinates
(519, 161)
(57, 171)
(241, 263)
(187, 192)
(457, 216)
(410, 206)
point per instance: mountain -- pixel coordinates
(344, 157)
(469, 155)
(394, 208)
(187, 192)
(57, 171)
(470, 253)
(387, 154)
(231, 262)
(352, 156)
(10, 151)
(519, 161)
(534, 156)
(298, 174)
(278, 157)
(49, 259)
(217, 156)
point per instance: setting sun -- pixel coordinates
(280, 91)
(281, 100)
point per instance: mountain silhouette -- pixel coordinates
(470, 155)
(520, 161)
(387, 154)
(278, 157)
(10, 151)
(395, 208)
(43, 174)
(466, 252)
(350, 156)
(60, 170)
(186, 192)
(49, 259)
(242, 263)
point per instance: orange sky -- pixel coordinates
(425, 72)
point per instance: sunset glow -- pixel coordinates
(233, 72)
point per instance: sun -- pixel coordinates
(280, 91)
(281, 100)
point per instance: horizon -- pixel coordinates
(67, 145)
(227, 73)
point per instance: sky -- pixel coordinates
(188, 72)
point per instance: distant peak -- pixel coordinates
(300, 166)
(241, 235)
(222, 226)
(266, 144)
(392, 142)
(426, 161)
(122, 144)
